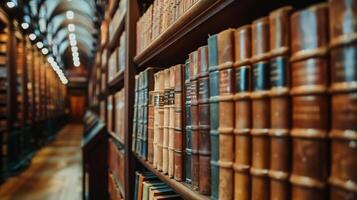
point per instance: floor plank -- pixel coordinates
(55, 172)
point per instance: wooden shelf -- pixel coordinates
(113, 42)
(115, 137)
(181, 188)
(116, 83)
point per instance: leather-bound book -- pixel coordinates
(158, 119)
(225, 46)
(139, 120)
(171, 103)
(179, 121)
(260, 109)
(243, 113)
(150, 143)
(188, 143)
(309, 78)
(195, 165)
(204, 122)
(213, 99)
(165, 143)
(135, 117)
(280, 103)
(343, 134)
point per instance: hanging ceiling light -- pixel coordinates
(10, 4)
(32, 37)
(71, 27)
(25, 25)
(39, 45)
(45, 51)
(70, 14)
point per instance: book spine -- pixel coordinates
(260, 109)
(225, 43)
(158, 120)
(343, 110)
(204, 122)
(280, 103)
(165, 143)
(171, 137)
(310, 113)
(188, 145)
(135, 117)
(179, 121)
(243, 113)
(145, 99)
(150, 142)
(140, 116)
(213, 100)
(194, 120)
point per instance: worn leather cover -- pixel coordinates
(158, 119)
(150, 143)
(188, 144)
(165, 143)
(243, 115)
(135, 117)
(225, 44)
(171, 104)
(343, 57)
(260, 109)
(280, 103)
(194, 119)
(310, 116)
(179, 122)
(214, 93)
(204, 122)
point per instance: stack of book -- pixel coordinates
(257, 105)
(158, 18)
(115, 20)
(149, 187)
(3, 80)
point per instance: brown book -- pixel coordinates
(280, 103)
(243, 113)
(309, 70)
(171, 127)
(168, 196)
(178, 124)
(225, 46)
(159, 119)
(150, 145)
(343, 31)
(194, 120)
(165, 143)
(260, 109)
(110, 113)
(204, 122)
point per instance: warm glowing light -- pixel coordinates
(72, 36)
(44, 51)
(71, 27)
(70, 14)
(39, 45)
(32, 37)
(25, 25)
(10, 4)
(74, 49)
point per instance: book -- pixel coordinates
(342, 31)
(225, 47)
(260, 109)
(135, 117)
(119, 114)
(188, 144)
(280, 103)
(110, 113)
(171, 125)
(195, 165)
(113, 64)
(158, 120)
(165, 139)
(310, 118)
(179, 121)
(213, 100)
(243, 112)
(150, 156)
(204, 149)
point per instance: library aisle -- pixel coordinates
(55, 172)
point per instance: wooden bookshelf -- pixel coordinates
(116, 83)
(116, 138)
(118, 30)
(180, 187)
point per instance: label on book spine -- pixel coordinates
(261, 76)
(242, 79)
(279, 71)
(159, 99)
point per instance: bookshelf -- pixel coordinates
(171, 47)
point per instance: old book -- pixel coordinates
(140, 117)
(343, 72)
(188, 150)
(165, 143)
(119, 114)
(147, 185)
(310, 116)
(168, 196)
(150, 143)
(135, 117)
(213, 100)
(171, 125)
(225, 46)
(195, 165)
(110, 113)
(160, 191)
(204, 122)
(260, 109)
(280, 103)
(159, 119)
(178, 122)
(243, 113)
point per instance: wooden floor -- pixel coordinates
(55, 172)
